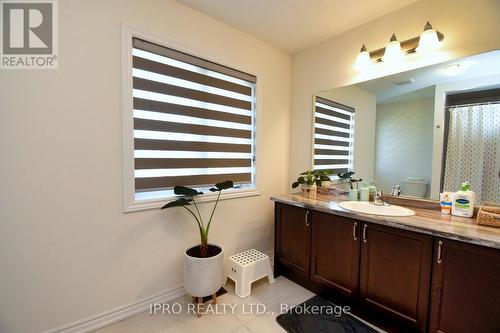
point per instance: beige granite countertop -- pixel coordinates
(424, 221)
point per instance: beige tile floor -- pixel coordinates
(240, 320)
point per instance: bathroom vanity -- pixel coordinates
(424, 273)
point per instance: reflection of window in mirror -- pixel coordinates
(333, 136)
(472, 143)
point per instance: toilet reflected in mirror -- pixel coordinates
(414, 187)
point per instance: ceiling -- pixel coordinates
(414, 95)
(389, 87)
(293, 25)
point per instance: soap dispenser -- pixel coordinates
(463, 201)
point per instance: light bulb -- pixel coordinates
(363, 61)
(393, 51)
(429, 40)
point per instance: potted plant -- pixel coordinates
(323, 178)
(347, 178)
(203, 263)
(309, 181)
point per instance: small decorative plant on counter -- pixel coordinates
(309, 181)
(347, 179)
(203, 263)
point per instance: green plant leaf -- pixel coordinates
(178, 203)
(190, 192)
(346, 175)
(222, 186)
(312, 177)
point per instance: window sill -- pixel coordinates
(139, 205)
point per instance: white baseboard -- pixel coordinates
(119, 313)
(123, 312)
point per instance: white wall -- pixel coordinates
(364, 104)
(67, 250)
(404, 142)
(470, 27)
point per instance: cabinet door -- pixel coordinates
(293, 238)
(395, 273)
(335, 252)
(465, 289)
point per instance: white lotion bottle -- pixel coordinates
(463, 201)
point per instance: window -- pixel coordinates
(333, 136)
(193, 122)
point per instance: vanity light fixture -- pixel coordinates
(428, 41)
(393, 51)
(363, 61)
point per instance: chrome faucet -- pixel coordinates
(378, 198)
(396, 190)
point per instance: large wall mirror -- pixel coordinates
(427, 130)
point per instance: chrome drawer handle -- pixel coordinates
(364, 233)
(354, 230)
(307, 218)
(440, 245)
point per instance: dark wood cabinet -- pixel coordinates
(465, 288)
(335, 252)
(395, 273)
(385, 272)
(293, 238)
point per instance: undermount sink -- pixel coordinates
(368, 208)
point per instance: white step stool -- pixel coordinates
(247, 267)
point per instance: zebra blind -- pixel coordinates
(193, 121)
(333, 136)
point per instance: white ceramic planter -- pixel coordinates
(203, 276)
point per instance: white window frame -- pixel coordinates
(130, 204)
